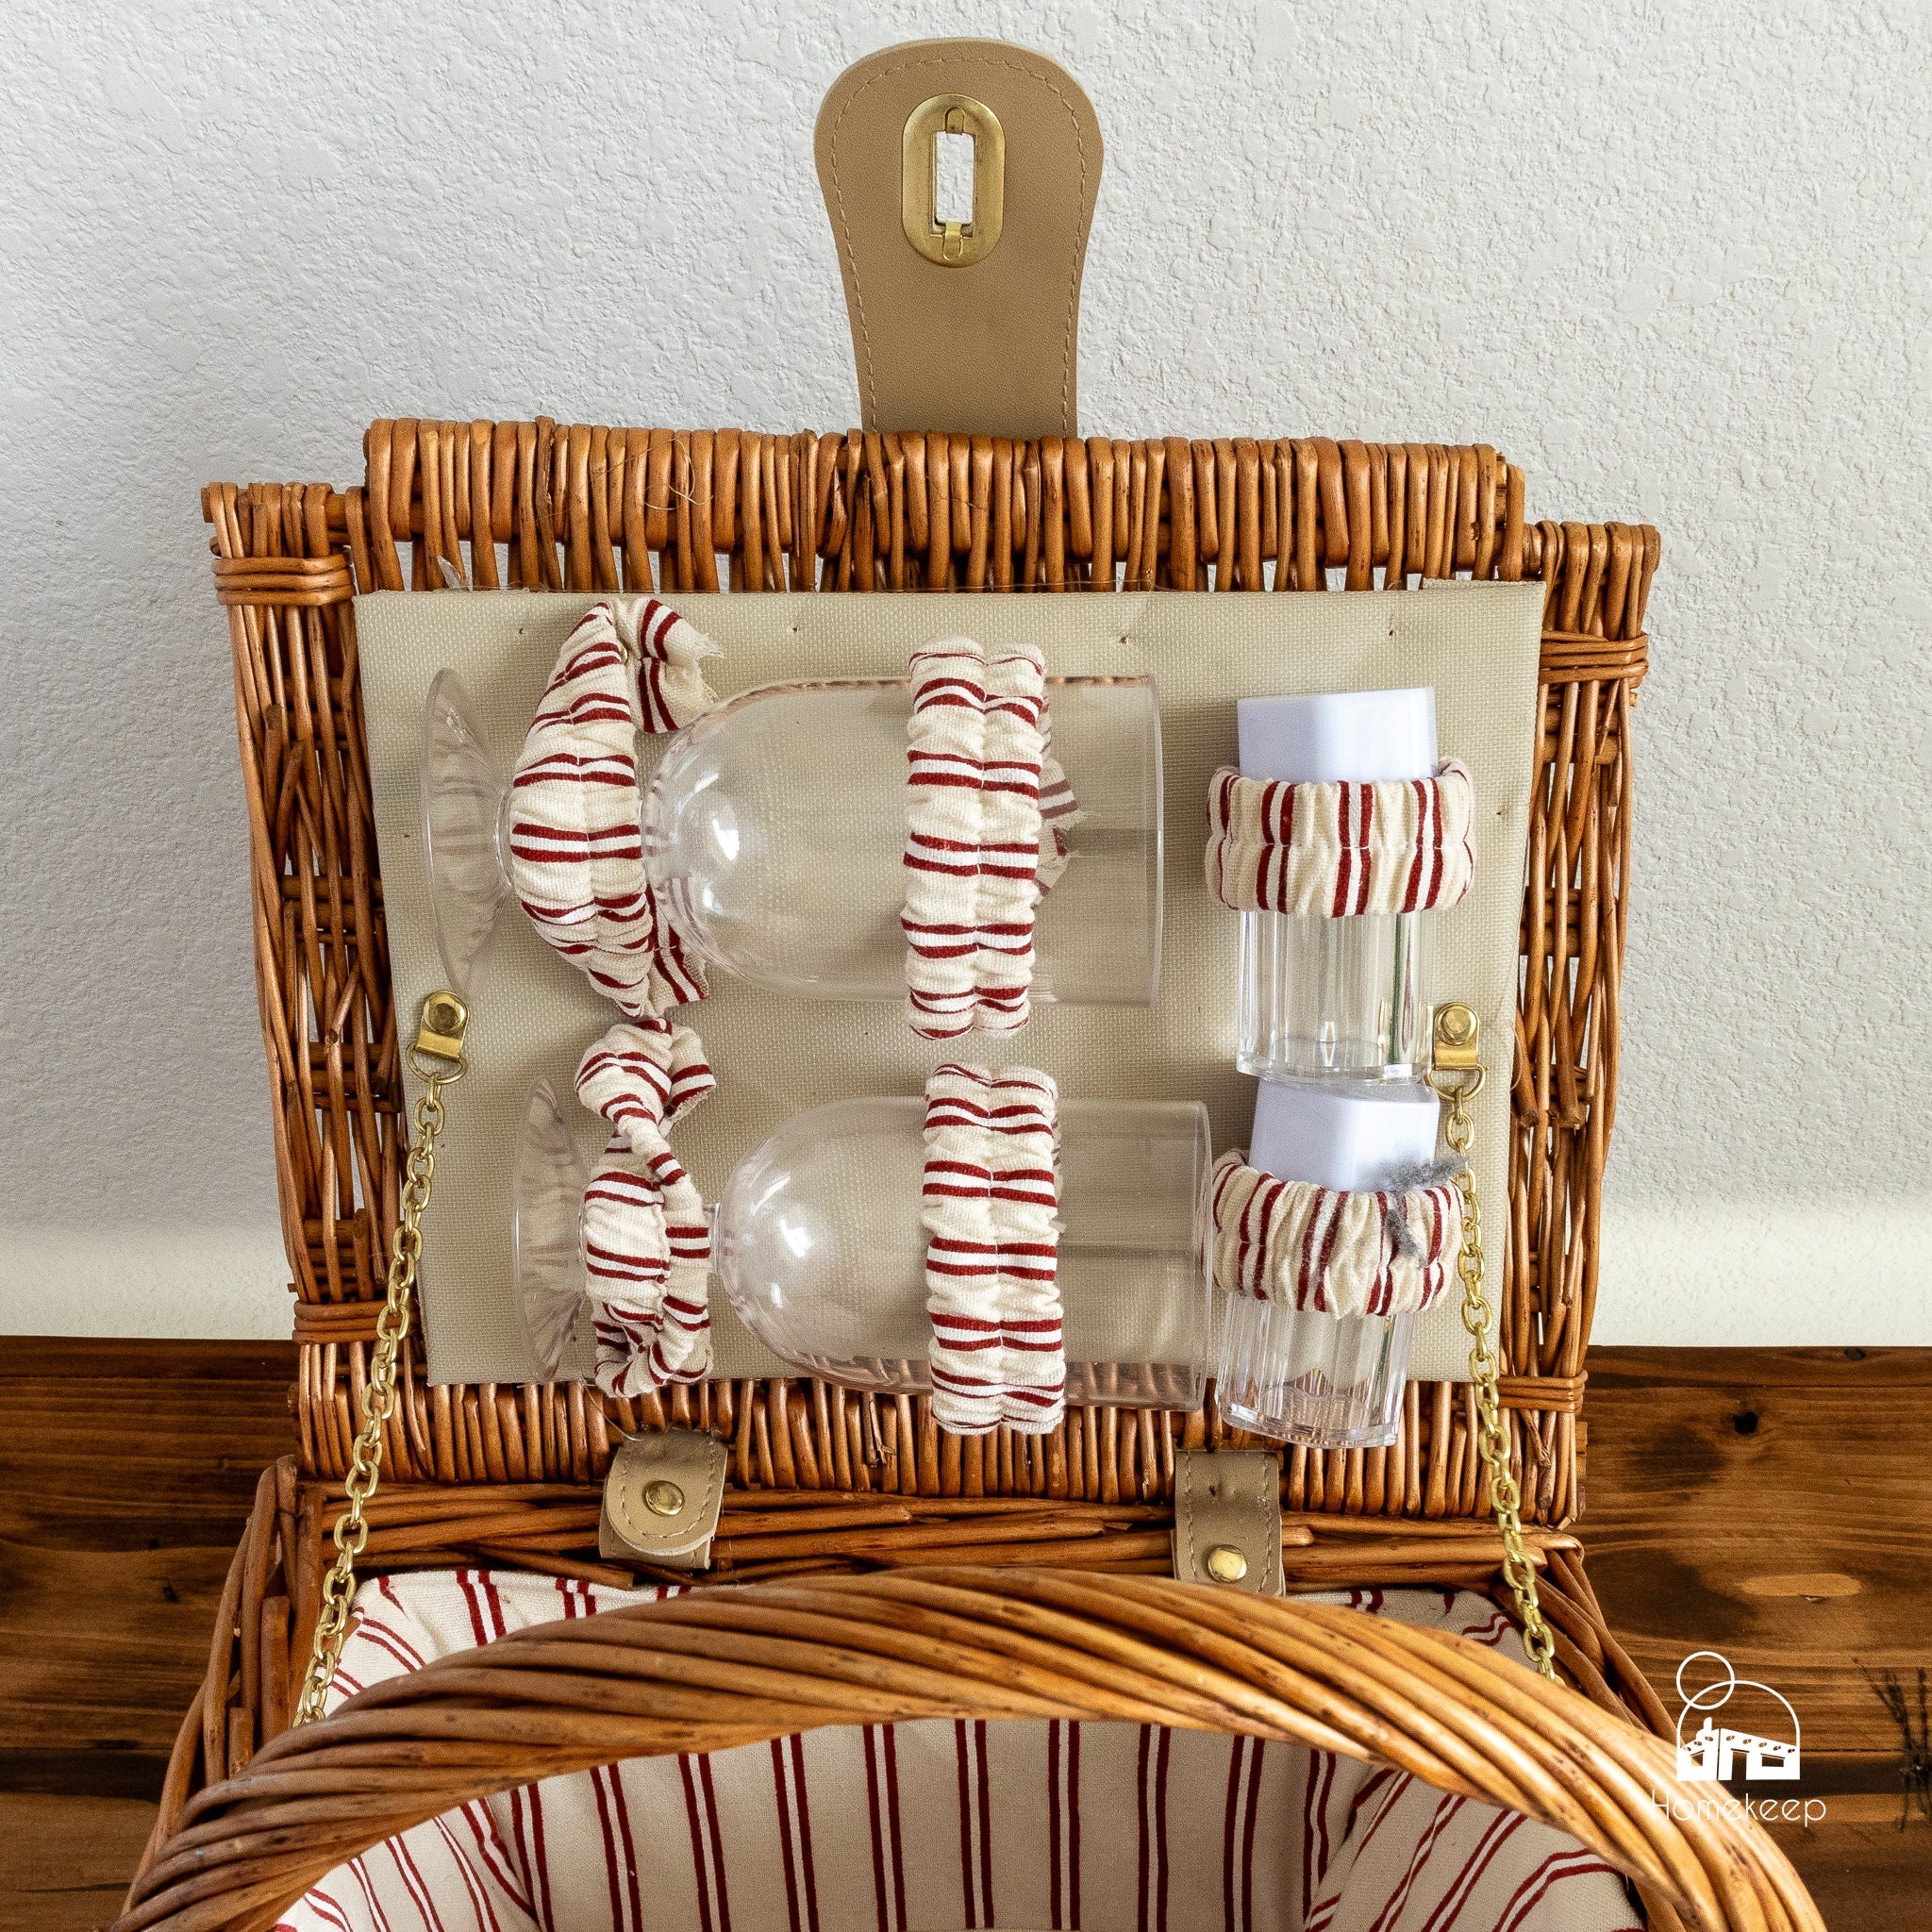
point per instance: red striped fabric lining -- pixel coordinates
(576, 845)
(645, 1235)
(1318, 1248)
(991, 1209)
(946, 1823)
(1340, 850)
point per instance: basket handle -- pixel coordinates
(954, 1642)
(976, 325)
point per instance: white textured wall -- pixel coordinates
(1673, 259)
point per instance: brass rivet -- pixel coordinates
(1456, 1023)
(662, 1498)
(443, 1013)
(1226, 1564)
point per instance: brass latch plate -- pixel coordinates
(952, 243)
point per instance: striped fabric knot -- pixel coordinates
(1337, 850)
(976, 748)
(577, 841)
(1309, 1247)
(990, 1206)
(646, 1237)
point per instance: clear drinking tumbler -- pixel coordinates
(1345, 997)
(1303, 1376)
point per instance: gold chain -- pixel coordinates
(436, 1061)
(1457, 1076)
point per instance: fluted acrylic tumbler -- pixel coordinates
(1303, 1375)
(1335, 997)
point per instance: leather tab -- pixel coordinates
(1227, 1519)
(991, 349)
(661, 1499)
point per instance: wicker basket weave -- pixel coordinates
(487, 1474)
(576, 508)
(723, 1668)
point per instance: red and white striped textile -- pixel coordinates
(646, 1237)
(1394, 845)
(917, 1827)
(577, 841)
(991, 1204)
(1342, 1254)
(1059, 810)
(975, 744)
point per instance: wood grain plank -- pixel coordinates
(1713, 1470)
(126, 1470)
(127, 1473)
(64, 1862)
(1864, 1876)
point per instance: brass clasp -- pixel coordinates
(1455, 1069)
(952, 244)
(1457, 1032)
(440, 1038)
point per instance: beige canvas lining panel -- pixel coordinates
(532, 1015)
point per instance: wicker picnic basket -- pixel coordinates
(508, 1475)
(881, 1568)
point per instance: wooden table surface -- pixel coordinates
(1773, 1505)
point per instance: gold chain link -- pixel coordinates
(1458, 1076)
(436, 1061)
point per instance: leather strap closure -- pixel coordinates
(1227, 1519)
(990, 347)
(661, 1499)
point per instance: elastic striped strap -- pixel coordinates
(976, 746)
(646, 1237)
(1309, 1247)
(576, 842)
(990, 1206)
(1394, 845)
(1059, 810)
